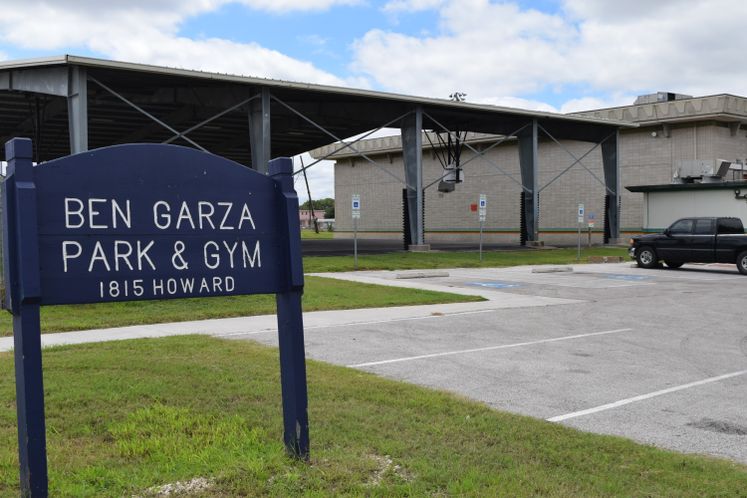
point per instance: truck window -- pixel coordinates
(730, 225)
(681, 226)
(703, 227)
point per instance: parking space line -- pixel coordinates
(371, 322)
(489, 348)
(643, 397)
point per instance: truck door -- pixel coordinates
(725, 241)
(675, 246)
(703, 242)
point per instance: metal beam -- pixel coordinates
(259, 131)
(475, 151)
(346, 145)
(611, 165)
(577, 160)
(47, 81)
(77, 109)
(146, 113)
(529, 166)
(412, 155)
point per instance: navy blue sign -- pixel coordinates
(145, 221)
(153, 222)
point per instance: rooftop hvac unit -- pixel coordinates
(704, 170)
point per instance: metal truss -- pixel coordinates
(177, 134)
(346, 145)
(577, 160)
(481, 155)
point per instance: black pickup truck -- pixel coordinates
(693, 240)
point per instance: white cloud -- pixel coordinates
(294, 5)
(590, 103)
(147, 32)
(411, 5)
(499, 52)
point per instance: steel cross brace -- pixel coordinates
(208, 120)
(577, 160)
(496, 144)
(477, 153)
(177, 133)
(484, 151)
(143, 111)
(346, 145)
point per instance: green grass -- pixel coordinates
(414, 260)
(309, 233)
(125, 416)
(319, 294)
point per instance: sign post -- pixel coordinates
(356, 210)
(22, 295)
(581, 213)
(139, 222)
(592, 218)
(483, 208)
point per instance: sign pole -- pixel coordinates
(356, 213)
(481, 224)
(290, 322)
(580, 221)
(482, 214)
(22, 253)
(355, 244)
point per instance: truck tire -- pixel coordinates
(646, 257)
(672, 264)
(742, 262)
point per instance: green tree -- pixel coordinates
(327, 204)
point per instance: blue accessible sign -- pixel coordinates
(146, 221)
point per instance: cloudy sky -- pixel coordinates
(557, 55)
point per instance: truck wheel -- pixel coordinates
(672, 264)
(742, 262)
(646, 257)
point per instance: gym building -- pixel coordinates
(681, 143)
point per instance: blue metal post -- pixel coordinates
(24, 288)
(290, 320)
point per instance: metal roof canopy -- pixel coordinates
(35, 94)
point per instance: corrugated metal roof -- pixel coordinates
(182, 98)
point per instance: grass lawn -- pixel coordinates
(319, 294)
(309, 233)
(417, 260)
(126, 416)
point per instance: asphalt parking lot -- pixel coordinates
(659, 356)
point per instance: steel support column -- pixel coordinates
(611, 165)
(529, 166)
(259, 131)
(77, 109)
(412, 154)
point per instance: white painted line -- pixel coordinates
(643, 397)
(489, 348)
(373, 322)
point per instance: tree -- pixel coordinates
(327, 204)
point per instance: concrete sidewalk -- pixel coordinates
(264, 324)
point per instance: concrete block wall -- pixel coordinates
(644, 160)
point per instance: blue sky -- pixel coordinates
(553, 55)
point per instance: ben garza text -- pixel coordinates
(182, 220)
